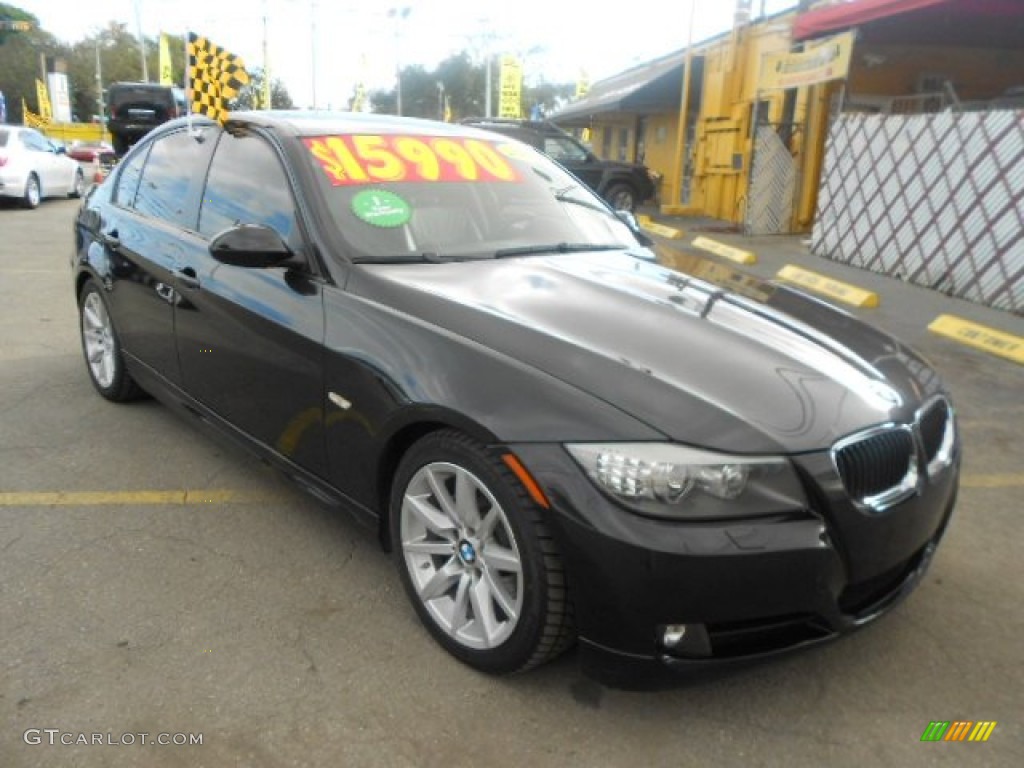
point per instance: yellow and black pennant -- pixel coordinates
(214, 77)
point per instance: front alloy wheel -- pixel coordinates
(461, 555)
(476, 558)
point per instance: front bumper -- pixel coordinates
(747, 589)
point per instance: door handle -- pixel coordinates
(188, 278)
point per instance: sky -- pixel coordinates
(330, 45)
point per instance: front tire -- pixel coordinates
(103, 358)
(78, 188)
(476, 558)
(33, 194)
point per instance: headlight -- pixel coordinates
(666, 480)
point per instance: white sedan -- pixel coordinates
(31, 167)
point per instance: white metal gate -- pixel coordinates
(934, 199)
(772, 185)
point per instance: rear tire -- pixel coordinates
(121, 146)
(103, 357)
(476, 558)
(33, 194)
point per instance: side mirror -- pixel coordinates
(250, 245)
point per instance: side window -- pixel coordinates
(247, 185)
(172, 178)
(563, 150)
(34, 141)
(128, 180)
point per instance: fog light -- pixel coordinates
(684, 640)
(673, 635)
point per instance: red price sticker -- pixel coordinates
(362, 159)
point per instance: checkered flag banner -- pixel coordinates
(214, 77)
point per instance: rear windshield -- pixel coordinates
(122, 95)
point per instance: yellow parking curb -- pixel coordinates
(979, 336)
(649, 225)
(826, 286)
(725, 251)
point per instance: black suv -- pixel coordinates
(623, 185)
(138, 108)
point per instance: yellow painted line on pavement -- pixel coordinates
(228, 496)
(127, 498)
(725, 251)
(979, 336)
(834, 289)
(1008, 480)
(649, 225)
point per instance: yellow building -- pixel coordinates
(753, 148)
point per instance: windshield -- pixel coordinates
(435, 198)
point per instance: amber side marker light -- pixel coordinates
(527, 480)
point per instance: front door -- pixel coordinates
(250, 341)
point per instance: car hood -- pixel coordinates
(706, 355)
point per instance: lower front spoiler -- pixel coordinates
(760, 642)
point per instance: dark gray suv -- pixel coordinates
(622, 185)
(137, 108)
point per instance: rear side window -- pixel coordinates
(128, 179)
(172, 178)
(247, 185)
(34, 141)
(3, 138)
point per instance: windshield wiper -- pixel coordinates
(528, 250)
(427, 257)
(564, 196)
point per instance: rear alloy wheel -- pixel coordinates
(621, 197)
(476, 557)
(78, 189)
(33, 195)
(102, 350)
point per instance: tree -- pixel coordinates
(251, 93)
(118, 51)
(464, 83)
(19, 61)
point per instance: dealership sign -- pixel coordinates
(821, 61)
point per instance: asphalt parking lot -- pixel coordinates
(156, 581)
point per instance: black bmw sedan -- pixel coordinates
(558, 439)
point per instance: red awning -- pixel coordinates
(833, 18)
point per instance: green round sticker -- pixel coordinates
(381, 208)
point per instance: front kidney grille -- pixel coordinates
(876, 464)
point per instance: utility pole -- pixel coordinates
(99, 85)
(142, 43)
(487, 85)
(312, 45)
(398, 14)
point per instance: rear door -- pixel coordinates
(250, 341)
(148, 231)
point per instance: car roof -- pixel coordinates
(320, 123)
